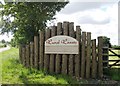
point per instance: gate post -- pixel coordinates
(100, 60)
(20, 53)
(105, 57)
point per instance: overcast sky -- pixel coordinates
(96, 16)
(99, 18)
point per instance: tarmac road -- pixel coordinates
(4, 49)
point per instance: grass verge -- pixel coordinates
(114, 73)
(14, 73)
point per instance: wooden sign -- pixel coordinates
(61, 45)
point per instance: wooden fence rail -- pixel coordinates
(86, 64)
(106, 57)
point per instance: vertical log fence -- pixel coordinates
(86, 64)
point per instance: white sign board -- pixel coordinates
(61, 45)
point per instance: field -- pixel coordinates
(13, 72)
(114, 58)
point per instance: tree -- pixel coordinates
(3, 41)
(106, 41)
(0, 14)
(13, 42)
(25, 19)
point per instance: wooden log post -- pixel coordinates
(36, 52)
(52, 56)
(100, 60)
(41, 49)
(47, 56)
(71, 56)
(23, 55)
(58, 56)
(31, 54)
(20, 53)
(27, 55)
(105, 57)
(64, 56)
(78, 56)
(22, 58)
(88, 57)
(83, 54)
(94, 59)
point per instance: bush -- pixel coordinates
(113, 73)
(3, 45)
(115, 46)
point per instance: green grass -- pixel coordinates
(14, 73)
(113, 72)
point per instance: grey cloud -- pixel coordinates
(89, 20)
(74, 7)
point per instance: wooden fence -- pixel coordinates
(107, 56)
(86, 64)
